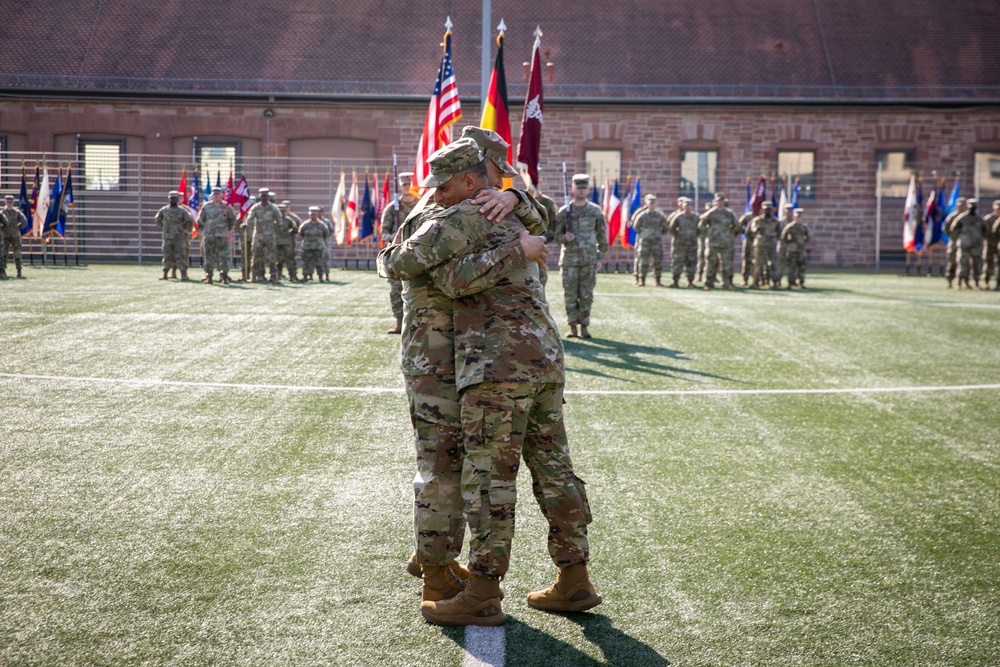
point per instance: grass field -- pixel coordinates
(209, 475)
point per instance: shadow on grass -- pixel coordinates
(615, 354)
(527, 646)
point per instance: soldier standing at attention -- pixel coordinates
(510, 373)
(951, 266)
(650, 225)
(970, 230)
(176, 223)
(745, 220)
(683, 227)
(392, 219)
(990, 249)
(719, 227)
(583, 233)
(765, 230)
(314, 235)
(794, 237)
(215, 221)
(261, 222)
(285, 240)
(996, 234)
(12, 221)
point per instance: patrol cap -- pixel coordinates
(286, 204)
(405, 177)
(650, 197)
(581, 181)
(314, 209)
(799, 211)
(961, 200)
(492, 145)
(719, 197)
(788, 207)
(454, 158)
(270, 194)
(971, 201)
(996, 202)
(8, 198)
(769, 206)
(263, 191)
(685, 200)
(174, 193)
(217, 190)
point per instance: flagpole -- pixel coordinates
(484, 79)
(878, 218)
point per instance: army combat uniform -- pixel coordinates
(12, 221)
(390, 223)
(176, 222)
(951, 264)
(649, 226)
(215, 223)
(970, 230)
(794, 237)
(765, 230)
(747, 265)
(314, 235)
(990, 248)
(284, 238)
(718, 226)
(551, 211)
(261, 222)
(579, 258)
(683, 227)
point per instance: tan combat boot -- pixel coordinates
(583, 331)
(439, 583)
(173, 274)
(399, 326)
(184, 274)
(573, 591)
(414, 568)
(164, 276)
(658, 283)
(572, 332)
(478, 604)
(642, 281)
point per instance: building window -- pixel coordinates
(987, 175)
(800, 165)
(217, 160)
(896, 169)
(699, 174)
(102, 164)
(603, 165)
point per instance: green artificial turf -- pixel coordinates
(212, 475)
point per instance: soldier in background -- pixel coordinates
(794, 237)
(176, 223)
(719, 227)
(765, 230)
(583, 233)
(392, 219)
(215, 221)
(971, 230)
(683, 227)
(285, 240)
(990, 249)
(314, 234)
(325, 264)
(996, 234)
(650, 225)
(551, 211)
(747, 267)
(260, 224)
(951, 267)
(702, 253)
(12, 221)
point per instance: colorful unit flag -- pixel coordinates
(612, 212)
(351, 212)
(367, 214)
(628, 234)
(23, 202)
(495, 114)
(758, 196)
(41, 204)
(445, 109)
(55, 201)
(239, 198)
(911, 213)
(337, 211)
(530, 142)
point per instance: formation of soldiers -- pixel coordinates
(702, 246)
(267, 237)
(12, 223)
(972, 245)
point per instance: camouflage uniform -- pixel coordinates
(579, 258)
(509, 372)
(747, 265)
(215, 222)
(12, 221)
(970, 230)
(765, 230)
(314, 235)
(794, 237)
(325, 261)
(990, 248)
(551, 211)
(176, 223)
(261, 222)
(389, 227)
(683, 226)
(284, 237)
(951, 265)
(428, 365)
(649, 226)
(719, 226)
(996, 235)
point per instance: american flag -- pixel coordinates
(445, 109)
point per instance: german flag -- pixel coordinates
(495, 110)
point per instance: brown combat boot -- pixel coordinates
(477, 604)
(17, 265)
(658, 283)
(225, 278)
(642, 281)
(583, 332)
(673, 283)
(573, 591)
(173, 274)
(164, 276)
(184, 274)
(399, 326)
(414, 568)
(572, 332)
(440, 583)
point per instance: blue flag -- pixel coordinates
(795, 193)
(595, 195)
(953, 197)
(65, 202)
(208, 186)
(218, 179)
(749, 198)
(52, 215)
(24, 203)
(633, 207)
(918, 232)
(194, 201)
(937, 231)
(367, 213)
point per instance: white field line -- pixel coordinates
(799, 299)
(575, 392)
(484, 647)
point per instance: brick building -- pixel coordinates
(692, 96)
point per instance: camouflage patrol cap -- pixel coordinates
(453, 159)
(971, 201)
(996, 203)
(174, 193)
(405, 177)
(769, 206)
(271, 194)
(8, 198)
(217, 190)
(581, 181)
(799, 211)
(685, 200)
(263, 191)
(492, 145)
(788, 207)
(314, 209)
(286, 204)
(719, 197)
(650, 198)
(961, 200)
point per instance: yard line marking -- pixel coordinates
(799, 298)
(575, 392)
(484, 647)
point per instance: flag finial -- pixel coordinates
(448, 24)
(538, 31)
(502, 28)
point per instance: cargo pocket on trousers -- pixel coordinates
(581, 489)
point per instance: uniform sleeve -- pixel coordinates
(602, 236)
(24, 221)
(159, 218)
(637, 219)
(388, 223)
(425, 249)
(470, 274)
(530, 213)
(559, 229)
